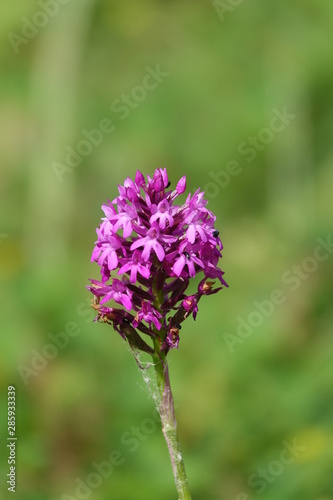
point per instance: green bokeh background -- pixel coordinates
(235, 409)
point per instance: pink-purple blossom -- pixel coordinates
(148, 249)
(149, 314)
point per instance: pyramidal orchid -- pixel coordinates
(148, 249)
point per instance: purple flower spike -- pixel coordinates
(155, 247)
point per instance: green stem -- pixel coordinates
(169, 427)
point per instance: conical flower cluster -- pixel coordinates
(148, 249)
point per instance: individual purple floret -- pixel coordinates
(153, 247)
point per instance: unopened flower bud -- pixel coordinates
(139, 178)
(181, 186)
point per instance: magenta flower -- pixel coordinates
(150, 242)
(105, 251)
(149, 314)
(124, 219)
(162, 213)
(117, 291)
(135, 265)
(190, 304)
(188, 257)
(155, 247)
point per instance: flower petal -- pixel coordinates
(158, 250)
(190, 233)
(179, 265)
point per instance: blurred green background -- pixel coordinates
(226, 68)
